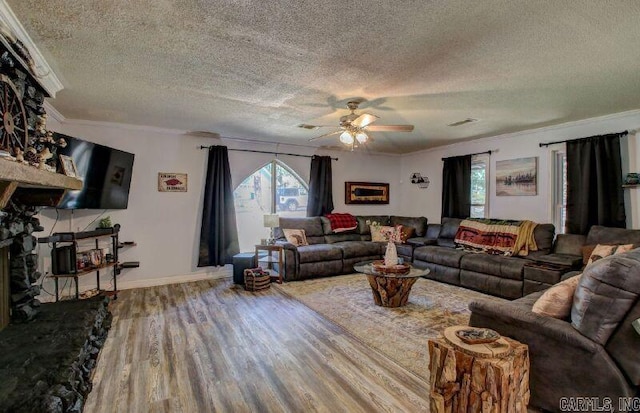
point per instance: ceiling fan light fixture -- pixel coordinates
(362, 137)
(346, 138)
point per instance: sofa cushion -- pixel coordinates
(312, 227)
(333, 238)
(497, 265)
(363, 226)
(440, 255)
(433, 231)
(607, 290)
(449, 228)
(420, 241)
(419, 223)
(573, 261)
(608, 235)
(543, 234)
(319, 252)
(570, 244)
(353, 249)
(406, 250)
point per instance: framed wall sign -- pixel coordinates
(172, 182)
(366, 193)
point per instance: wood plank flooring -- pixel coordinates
(209, 346)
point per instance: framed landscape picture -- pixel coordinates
(517, 177)
(366, 193)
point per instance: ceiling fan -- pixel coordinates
(354, 128)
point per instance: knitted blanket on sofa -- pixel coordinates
(492, 236)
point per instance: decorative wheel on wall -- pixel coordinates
(13, 122)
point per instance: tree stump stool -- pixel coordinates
(468, 378)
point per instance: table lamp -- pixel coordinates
(271, 221)
(636, 325)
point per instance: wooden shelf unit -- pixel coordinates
(71, 239)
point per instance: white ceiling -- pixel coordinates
(257, 68)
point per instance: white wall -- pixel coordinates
(166, 226)
(428, 202)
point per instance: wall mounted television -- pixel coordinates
(106, 173)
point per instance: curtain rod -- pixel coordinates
(543, 144)
(268, 152)
(471, 154)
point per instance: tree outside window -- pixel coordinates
(479, 186)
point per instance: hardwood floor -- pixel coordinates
(209, 346)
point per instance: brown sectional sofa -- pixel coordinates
(492, 274)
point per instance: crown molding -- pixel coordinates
(49, 80)
(567, 125)
(53, 112)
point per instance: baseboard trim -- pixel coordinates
(176, 279)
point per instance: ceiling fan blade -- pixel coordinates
(363, 120)
(325, 135)
(390, 128)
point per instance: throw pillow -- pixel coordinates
(556, 301)
(381, 233)
(296, 237)
(600, 251)
(586, 253)
(624, 248)
(402, 233)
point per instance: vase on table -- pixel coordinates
(391, 255)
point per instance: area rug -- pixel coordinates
(399, 333)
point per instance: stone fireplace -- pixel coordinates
(47, 351)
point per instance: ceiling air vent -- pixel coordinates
(462, 122)
(306, 126)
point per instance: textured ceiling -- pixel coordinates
(256, 68)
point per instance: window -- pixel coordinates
(560, 191)
(272, 189)
(479, 186)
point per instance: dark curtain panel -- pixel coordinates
(456, 187)
(594, 183)
(219, 233)
(320, 199)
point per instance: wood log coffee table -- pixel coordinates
(390, 290)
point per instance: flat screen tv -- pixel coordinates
(106, 173)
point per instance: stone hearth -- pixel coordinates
(45, 365)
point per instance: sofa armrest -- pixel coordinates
(520, 317)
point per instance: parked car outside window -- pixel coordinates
(291, 199)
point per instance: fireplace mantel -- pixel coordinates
(34, 186)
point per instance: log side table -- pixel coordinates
(491, 377)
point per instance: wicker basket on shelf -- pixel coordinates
(256, 279)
